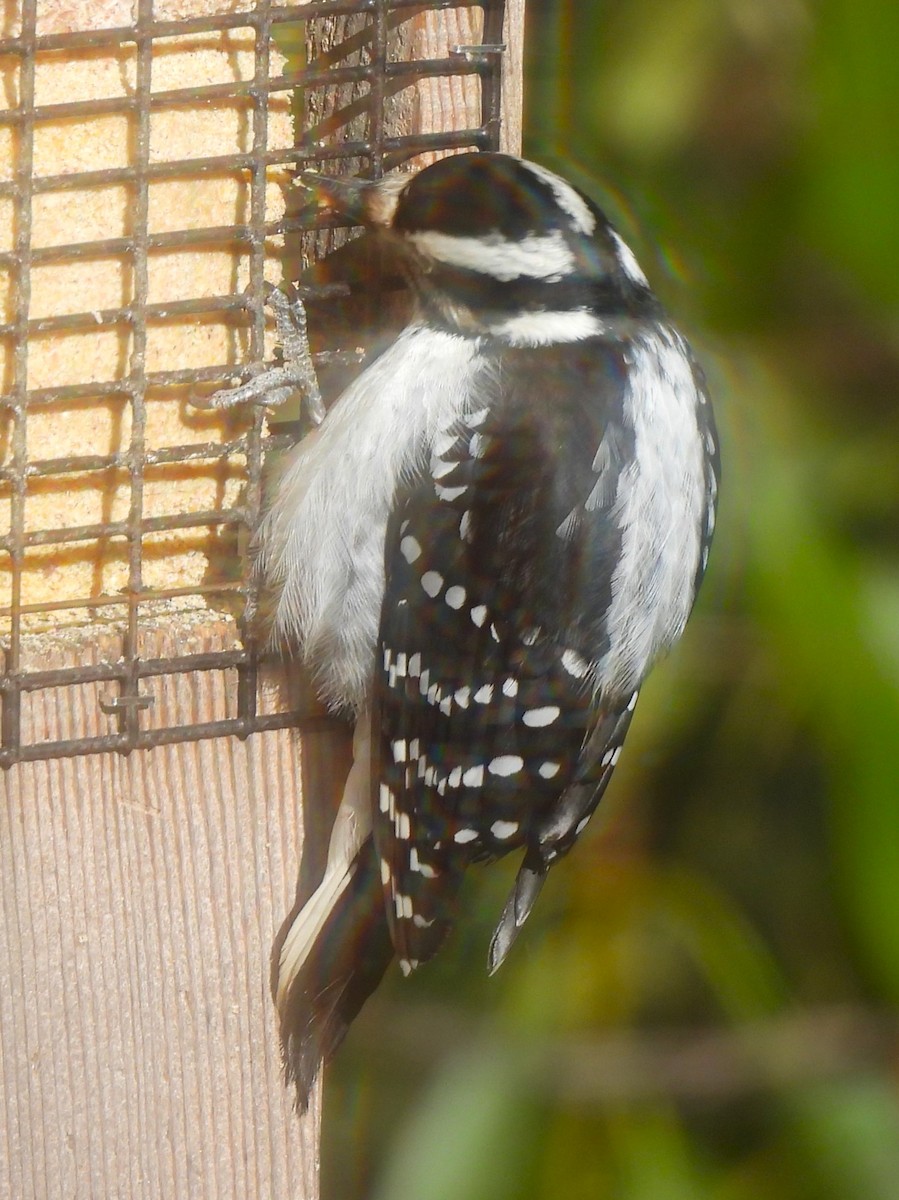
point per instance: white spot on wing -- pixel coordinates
(474, 776)
(455, 596)
(444, 440)
(538, 717)
(575, 664)
(603, 492)
(548, 770)
(402, 826)
(505, 764)
(410, 548)
(568, 527)
(441, 467)
(432, 582)
(421, 868)
(449, 493)
(503, 829)
(462, 836)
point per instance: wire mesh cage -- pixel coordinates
(145, 156)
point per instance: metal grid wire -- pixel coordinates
(377, 77)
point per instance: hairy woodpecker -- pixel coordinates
(481, 551)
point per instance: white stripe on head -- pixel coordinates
(567, 198)
(547, 328)
(534, 257)
(629, 264)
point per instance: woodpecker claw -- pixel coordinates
(275, 385)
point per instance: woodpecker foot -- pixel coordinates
(274, 385)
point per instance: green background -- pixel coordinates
(703, 1004)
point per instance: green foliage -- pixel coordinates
(746, 864)
(467, 1139)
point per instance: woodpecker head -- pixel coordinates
(497, 246)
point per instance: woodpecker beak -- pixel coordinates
(367, 201)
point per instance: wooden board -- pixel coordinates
(139, 901)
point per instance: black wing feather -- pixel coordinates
(498, 578)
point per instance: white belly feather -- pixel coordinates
(322, 541)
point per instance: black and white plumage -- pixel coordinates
(496, 531)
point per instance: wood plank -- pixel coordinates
(140, 901)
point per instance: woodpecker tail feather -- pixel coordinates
(530, 879)
(346, 951)
(339, 946)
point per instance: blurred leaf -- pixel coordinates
(853, 182)
(811, 596)
(732, 957)
(471, 1136)
(645, 99)
(850, 1133)
(652, 1158)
